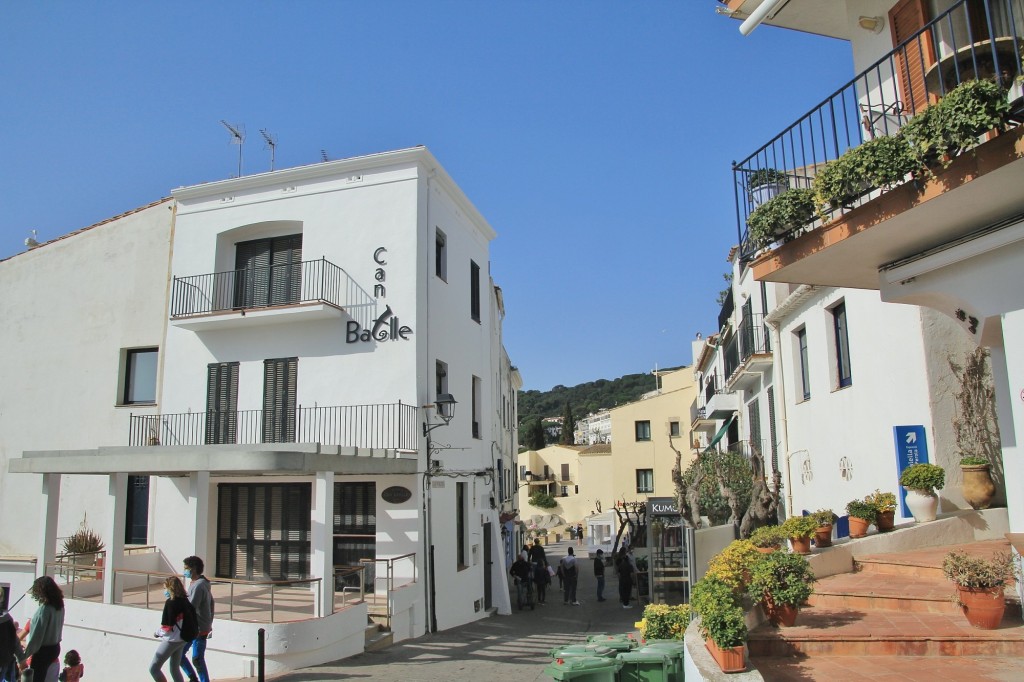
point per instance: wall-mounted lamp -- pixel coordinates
(444, 405)
(873, 24)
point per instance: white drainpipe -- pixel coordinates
(759, 15)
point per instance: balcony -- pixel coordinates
(391, 426)
(883, 225)
(749, 354)
(718, 403)
(315, 289)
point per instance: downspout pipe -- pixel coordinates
(759, 15)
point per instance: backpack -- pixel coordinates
(189, 627)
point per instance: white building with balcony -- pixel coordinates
(310, 376)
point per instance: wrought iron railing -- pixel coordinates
(313, 281)
(713, 384)
(386, 580)
(972, 39)
(753, 337)
(726, 311)
(385, 426)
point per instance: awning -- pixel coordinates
(720, 435)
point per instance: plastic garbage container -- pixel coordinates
(583, 669)
(675, 649)
(644, 665)
(577, 650)
(620, 643)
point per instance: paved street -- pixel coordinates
(500, 647)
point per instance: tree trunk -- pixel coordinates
(764, 500)
(687, 496)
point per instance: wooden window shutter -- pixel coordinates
(280, 377)
(565, 472)
(906, 18)
(221, 403)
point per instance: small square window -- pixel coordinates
(139, 377)
(673, 429)
(643, 430)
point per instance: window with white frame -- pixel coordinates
(844, 375)
(804, 386)
(645, 480)
(643, 430)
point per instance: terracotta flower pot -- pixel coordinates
(768, 550)
(886, 521)
(729, 660)
(858, 527)
(823, 536)
(801, 545)
(780, 614)
(983, 606)
(978, 488)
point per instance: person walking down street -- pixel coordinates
(46, 628)
(525, 553)
(537, 554)
(201, 597)
(624, 568)
(569, 575)
(599, 573)
(169, 633)
(520, 570)
(579, 534)
(10, 646)
(541, 579)
(74, 669)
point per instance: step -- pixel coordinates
(376, 637)
(874, 591)
(851, 632)
(906, 669)
(925, 563)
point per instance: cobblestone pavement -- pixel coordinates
(502, 648)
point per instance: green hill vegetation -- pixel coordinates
(592, 396)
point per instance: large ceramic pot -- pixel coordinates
(801, 545)
(886, 521)
(923, 505)
(823, 536)
(978, 487)
(729, 660)
(983, 606)
(859, 527)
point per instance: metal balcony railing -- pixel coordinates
(313, 281)
(713, 383)
(972, 39)
(390, 426)
(753, 337)
(726, 312)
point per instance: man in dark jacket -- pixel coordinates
(599, 573)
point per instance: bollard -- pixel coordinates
(262, 635)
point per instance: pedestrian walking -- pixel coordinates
(579, 534)
(201, 597)
(537, 554)
(520, 571)
(599, 573)
(178, 627)
(569, 575)
(46, 628)
(624, 568)
(10, 646)
(541, 580)
(74, 669)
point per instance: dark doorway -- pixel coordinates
(136, 523)
(487, 565)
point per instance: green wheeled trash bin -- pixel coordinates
(644, 665)
(577, 650)
(583, 669)
(676, 651)
(620, 643)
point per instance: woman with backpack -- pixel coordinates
(177, 628)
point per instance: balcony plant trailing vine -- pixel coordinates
(788, 211)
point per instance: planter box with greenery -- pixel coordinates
(885, 509)
(733, 564)
(862, 515)
(721, 621)
(782, 583)
(882, 162)
(664, 621)
(980, 585)
(799, 530)
(788, 211)
(542, 500)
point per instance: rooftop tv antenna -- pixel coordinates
(32, 242)
(271, 144)
(323, 155)
(237, 137)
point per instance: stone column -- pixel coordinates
(48, 513)
(199, 506)
(117, 502)
(322, 539)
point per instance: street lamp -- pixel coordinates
(444, 404)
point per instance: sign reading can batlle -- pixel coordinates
(662, 506)
(386, 327)
(396, 494)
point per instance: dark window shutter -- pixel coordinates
(474, 291)
(771, 428)
(754, 414)
(268, 271)
(280, 377)
(221, 403)
(906, 18)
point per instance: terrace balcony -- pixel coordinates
(719, 403)
(748, 354)
(978, 193)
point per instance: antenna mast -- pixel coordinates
(271, 144)
(237, 137)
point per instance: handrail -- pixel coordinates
(389, 580)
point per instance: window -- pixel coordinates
(754, 420)
(355, 528)
(474, 291)
(522, 472)
(441, 256)
(221, 402)
(845, 378)
(565, 491)
(139, 377)
(673, 429)
(268, 271)
(279, 379)
(476, 408)
(565, 472)
(440, 377)
(460, 525)
(805, 373)
(643, 430)
(263, 531)
(645, 480)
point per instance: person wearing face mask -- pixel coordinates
(201, 597)
(172, 639)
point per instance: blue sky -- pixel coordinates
(596, 137)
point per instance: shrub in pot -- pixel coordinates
(733, 564)
(721, 621)
(782, 582)
(664, 621)
(921, 480)
(799, 530)
(885, 506)
(768, 538)
(825, 518)
(862, 514)
(84, 541)
(978, 488)
(980, 584)
(542, 500)
(882, 162)
(788, 211)
(766, 184)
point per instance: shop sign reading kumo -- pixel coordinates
(386, 327)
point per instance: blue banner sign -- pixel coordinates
(911, 448)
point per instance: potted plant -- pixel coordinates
(885, 509)
(980, 585)
(768, 539)
(664, 621)
(721, 622)
(978, 488)
(732, 565)
(862, 514)
(765, 184)
(882, 162)
(782, 583)
(825, 518)
(921, 480)
(788, 211)
(799, 530)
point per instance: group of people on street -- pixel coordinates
(185, 625)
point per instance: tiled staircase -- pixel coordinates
(891, 619)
